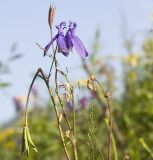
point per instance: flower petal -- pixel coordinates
(50, 43)
(61, 43)
(78, 45)
(68, 41)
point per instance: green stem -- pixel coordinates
(28, 96)
(73, 107)
(110, 130)
(74, 126)
(57, 116)
(110, 121)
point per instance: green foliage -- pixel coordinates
(132, 113)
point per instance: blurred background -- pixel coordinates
(118, 36)
(24, 23)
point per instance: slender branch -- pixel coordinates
(110, 120)
(54, 60)
(56, 90)
(73, 107)
(101, 103)
(110, 130)
(28, 96)
(60, 101)
(57, 115)
(74, 127)
(73, 142)
(53, 101)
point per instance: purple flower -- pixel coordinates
(66, 42)
(73, 40)
(60, 40)
(17, 103)
(69, 105)
(83, 102)
(34, 91)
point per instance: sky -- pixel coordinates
(26, 22)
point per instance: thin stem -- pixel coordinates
(73, 107)
(56, 90)
(54, 60)
(74, 127)
(60, 101)
(28, 96)
(110, 120)
(57, 115)
(53, 101)
(51, 33)
(110, 129)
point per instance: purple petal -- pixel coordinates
(63, 24)
(61, 43)
(69, 105)
(78, 45)
(49, 44)
(65, 54)
(84, 102)
(68, 41)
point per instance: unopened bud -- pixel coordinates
(92, 77)
(51, 15)
(90, 85)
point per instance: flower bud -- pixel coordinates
(51, 15)
(90, 85)
(92, 77)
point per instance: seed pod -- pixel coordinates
(30, 141)
(25, 146)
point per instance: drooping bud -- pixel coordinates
(51, 15)
(92, 77)
(90, 85)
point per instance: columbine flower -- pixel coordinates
(66, 42)
(73, 40)
(60, 40)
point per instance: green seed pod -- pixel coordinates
(30, 142)
(25, 146)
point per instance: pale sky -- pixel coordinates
(25, 22)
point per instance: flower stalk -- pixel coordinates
(107, 95)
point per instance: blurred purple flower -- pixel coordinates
(17, 103)
(34, 91)
(83, 102)
(66, 42)
(69, 105)
(93, 94)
